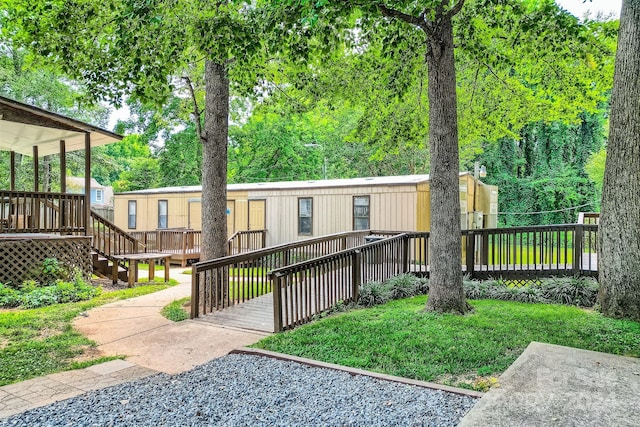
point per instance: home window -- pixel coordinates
(99, 196)
(361, 213)
(162, 213)
(132, 214)
(305, 215)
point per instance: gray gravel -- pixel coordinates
(245, 390)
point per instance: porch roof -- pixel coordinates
(23, 126)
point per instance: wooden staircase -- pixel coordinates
(109, 241)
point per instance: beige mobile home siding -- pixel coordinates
(400, 204)
(391, 208)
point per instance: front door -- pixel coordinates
(257, 214)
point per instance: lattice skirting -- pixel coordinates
(22, 258)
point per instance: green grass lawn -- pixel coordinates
(42, 341)
(175, 310)
(398, 338)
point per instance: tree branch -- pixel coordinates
(410, 19)
(196, 110)
(455, 9)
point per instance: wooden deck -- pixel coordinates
(255, 314)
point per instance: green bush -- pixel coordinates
(474, 289)
(40, 297)
(402, 286)
(28, 286)
(9, 297)
(32, 295)
(422, 286)
(579, 291)
(373, 293)
(52, 271)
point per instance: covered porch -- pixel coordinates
(36, 222)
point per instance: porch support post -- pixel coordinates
(12, 172)
(63, 183)
(63, 166)
(36, 175)
(87, 181)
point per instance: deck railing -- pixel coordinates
(234, 279)
(170, 241)
(247, 241)
(39, 212)
(531, 252)
(110, 240)
(302, 290)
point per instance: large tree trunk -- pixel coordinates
(619, 233)
(446, 293)
(214, 162)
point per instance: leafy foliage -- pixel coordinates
(374, 293)
(579, 291)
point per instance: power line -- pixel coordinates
(543, 212)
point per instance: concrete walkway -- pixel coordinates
(551, 385)
(135, 329)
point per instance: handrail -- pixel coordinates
(246, 240)
(110, 240)
(237, 278)
(519, 253)
(302, 290)
(202, 265)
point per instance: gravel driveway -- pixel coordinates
(246, 390)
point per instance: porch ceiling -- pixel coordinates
(23, 126)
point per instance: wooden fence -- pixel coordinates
(227, 281)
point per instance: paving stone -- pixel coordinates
(110, 367)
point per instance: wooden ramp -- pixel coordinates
(255, 314)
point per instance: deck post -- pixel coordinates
(276, 285)
(356, 276)
(195, 293)
(471, 249)
(63, 183)
(36, 172)
(405, 253)
(578, 235)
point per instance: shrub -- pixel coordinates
(503, 293)
(28, 286)
(402, 286)
(422, 286)
(9, 297)
(373, 293)
(474, 289)
(580, 291)
(52, 271)
(40, 297)
(532, 294)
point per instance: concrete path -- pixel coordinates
(551, 385)
(135, 329)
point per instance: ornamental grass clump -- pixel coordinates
(578, 291)
(373, 293)
(402, 286)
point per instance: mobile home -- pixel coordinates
(296, 210)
